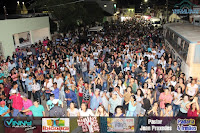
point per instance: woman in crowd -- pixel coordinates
(119, 112)
(131, 106)
(155, 110)
(85, 111)
(101, 111)
(72, 111)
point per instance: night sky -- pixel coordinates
(11, 4)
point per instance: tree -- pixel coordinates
(68, 13)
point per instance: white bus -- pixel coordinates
(183, 41)
(156, 22)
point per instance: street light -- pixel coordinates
(18, 2)
(145, 1)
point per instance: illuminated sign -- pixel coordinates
(185, 7)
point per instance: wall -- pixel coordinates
(39, 34)
(10, 27)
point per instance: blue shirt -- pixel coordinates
(51, 105)
(1, 76)
(71, 95)
(56, 93)
(149, 66)
(37, 111)
(29, 86)
(3, 110)
(95, 102)
(143, 80)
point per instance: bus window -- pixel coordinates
(197, 54)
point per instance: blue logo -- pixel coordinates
(185, 7)
(10, 122)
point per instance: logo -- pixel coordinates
(89, 124)
(186, 125)
(55, 124)
(120, 124)
(11, 122)
(185, 7)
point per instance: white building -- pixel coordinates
(22, 32)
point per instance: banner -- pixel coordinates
(100, 124)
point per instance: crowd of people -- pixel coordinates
(123, 71)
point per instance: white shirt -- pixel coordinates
(24, 75)
(36, 87)
(87, 113)
(95, 55)
(104, 100)
(59, 82)
(72, 71)
(49, 85)
(73, 113)
(191, 89)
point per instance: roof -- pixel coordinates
(187, 31)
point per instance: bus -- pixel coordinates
(156, 22)
(183, 41)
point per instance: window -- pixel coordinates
(197, 54)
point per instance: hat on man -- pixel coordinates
(55, 101)
(13, 91)
(2, 103)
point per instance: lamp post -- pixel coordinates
(5, 12)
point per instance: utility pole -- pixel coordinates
(5, 13)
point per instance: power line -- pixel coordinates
(61, 4)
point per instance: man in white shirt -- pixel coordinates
(60, 85)
(48, 85)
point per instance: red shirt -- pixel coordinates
(191, 113)
(6, 90)
(17, 101)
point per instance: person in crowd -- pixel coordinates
(84, 111)
(183, 106)
(72, 111)
(100, 111)
(56, 111)
(176, 96)
(26, 104)
(48, 85)
(70, 96)
(36, 109)
(86, 94)
(50, 105)
(95, 99)
(167, 112)
(4, 110)
(164, 98)
(36, 90)
(17, 103)
(193, 108)
(113, 103)
(56, 90)
(119, 112)
(192, 89)
(131, 106)
(154, 110)
(28, 83)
